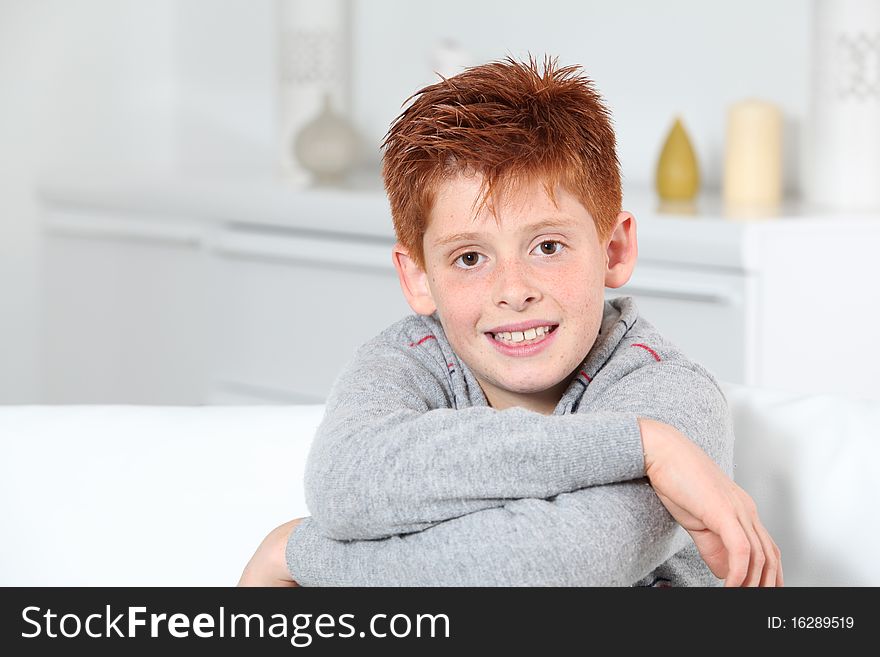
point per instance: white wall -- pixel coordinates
(171, 84)
(226, 68)
(80, 83)
(651, 60)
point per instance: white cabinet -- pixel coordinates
(122, 316)
(291, 308)
(785, 302)
(197, 300)
(260, 294)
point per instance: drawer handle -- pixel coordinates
(699, 296)
(339, 253)
(122, 229)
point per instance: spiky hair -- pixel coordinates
(509, 122)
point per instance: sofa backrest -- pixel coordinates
(146, 496)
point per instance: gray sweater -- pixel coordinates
(414, 480)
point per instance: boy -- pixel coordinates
(518, 430)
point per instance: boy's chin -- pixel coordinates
(531, 387)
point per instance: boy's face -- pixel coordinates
(498, 285)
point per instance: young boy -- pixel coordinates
(518, 430)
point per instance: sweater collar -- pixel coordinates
(618, 316)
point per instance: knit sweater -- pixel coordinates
(413, 479)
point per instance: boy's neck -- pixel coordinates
(543, 402)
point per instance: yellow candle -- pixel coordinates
(753, 156)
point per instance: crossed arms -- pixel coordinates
(403, 494)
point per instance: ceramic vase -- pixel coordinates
(678, 174)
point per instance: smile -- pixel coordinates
(523, 343)
(528, 336)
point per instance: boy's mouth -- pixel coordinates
(528, 336)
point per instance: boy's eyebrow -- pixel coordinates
(462, 237)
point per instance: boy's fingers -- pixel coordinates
(777, 558)
(780, 580)
(756, 558)
(773, 554)
(738, 551)
(771, 566)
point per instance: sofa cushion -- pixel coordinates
(809, 462)
(146, 496)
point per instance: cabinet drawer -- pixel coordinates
(121, 304)
(706, 313)
(292, 310)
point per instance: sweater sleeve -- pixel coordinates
(387, 461)
(612, 534)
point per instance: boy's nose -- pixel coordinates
(514, 286)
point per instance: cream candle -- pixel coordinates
(753, 156)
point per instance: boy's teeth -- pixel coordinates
(523, 336)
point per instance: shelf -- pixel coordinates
(704, 235)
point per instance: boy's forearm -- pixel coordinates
(604, 535)
(407, 471)
(267, 567)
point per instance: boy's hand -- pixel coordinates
(719, 515)
(268, 566)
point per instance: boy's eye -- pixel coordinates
(550, 247)
(468, 260)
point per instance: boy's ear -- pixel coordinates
(413, 281)
(621, 251)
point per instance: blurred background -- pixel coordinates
(191, 210)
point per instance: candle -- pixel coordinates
(753, 156)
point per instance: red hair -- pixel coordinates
(509, 122)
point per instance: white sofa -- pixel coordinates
(156, 496)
